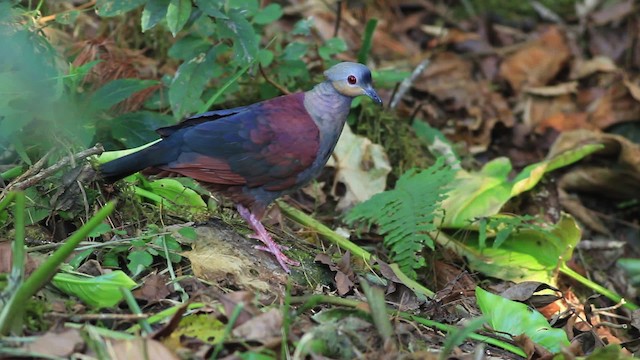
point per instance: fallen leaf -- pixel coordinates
(59, 344)
(538, 62)
(584, 68)
(154, 288)
(139, 348)
(615, 11)
(344, 273)
(361, 166)
(261, 328)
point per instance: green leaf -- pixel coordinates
(108, 8)
(100, 230)
(295, 50)
(367, 40)
(211, 8)
(154, 11)
(175, 195)
(178, 13)
(302, 27)
(240, 31)
(484, 193)
(138, 261)
(189, 47)
(100, 291)
(515, 318)
(137, 128)
(332, 47)
(116, 91)
(67, 17)
(189, 83)
(269, 14)
(526, 255)
(406, 214)
(247, 7)
(188, 232)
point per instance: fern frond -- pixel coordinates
(406, 214)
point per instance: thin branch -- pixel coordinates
(273, 83)
(336, 29)
(41, 175)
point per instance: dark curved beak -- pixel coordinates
(370, 92)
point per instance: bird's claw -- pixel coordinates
(283, 259)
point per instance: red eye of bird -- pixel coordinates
(352, 80)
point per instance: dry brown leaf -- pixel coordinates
(344, 273)
(60, 344)
(538, 62)
(583, 68)
(139, 348)
(554, 90)
(261, 328)
(361, 166)
(154, 288)
(615, 12)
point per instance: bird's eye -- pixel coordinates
(352, 80)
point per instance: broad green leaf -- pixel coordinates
(268, 14)
(332, 47)
(525, 255)
(515, 318)
(108, 8)
(100, 291)
(188, 232)
(189, 83)
(154, 11)
(174, 195)
(117, 91)
(241, 32)
(302, 27)
(138, 261)
(67, 17)
(204, 327)
(178, 13)
(189, 47)
(247, 7)
(211, 8)
(295, 50)
(484, 193)
(138, 128)
(100, 230)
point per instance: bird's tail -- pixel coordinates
(154, 155)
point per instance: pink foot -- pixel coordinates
(261, 234)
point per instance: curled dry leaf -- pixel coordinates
(538, 62)
(361, 166)
(450, 79)
(261, 328)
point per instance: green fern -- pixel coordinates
(406, 214)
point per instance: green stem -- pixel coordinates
(323, 230)
(311, 301)
(7, 200)
(135, 308)
(12, 173)
(48, 269)
(228, 329)
(18, 250)
(595, 287)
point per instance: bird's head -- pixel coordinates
(352, 79)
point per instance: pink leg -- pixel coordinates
(262, 235)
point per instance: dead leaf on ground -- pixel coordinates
(139, 348)
(344, 273)
(57, 343)
(261, 328)
(6, 256)
(450, 79)
(538, 62)
(154, 288)
(361, 166)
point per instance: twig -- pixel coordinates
(45, 19)
(406, 83)
(20, 184)
(336, 29)
(273, 83)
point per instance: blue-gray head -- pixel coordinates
(352, 79)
